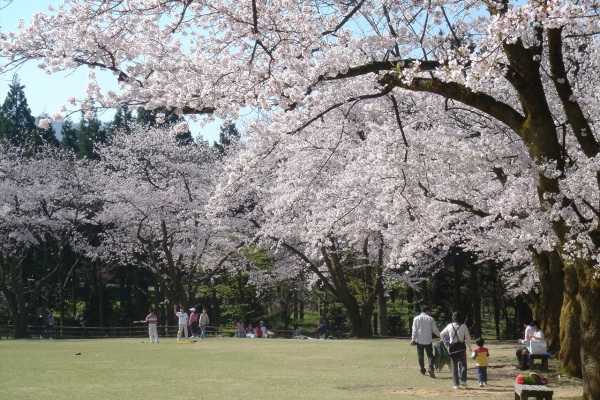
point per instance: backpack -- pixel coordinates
(258, 332)
(458, 347)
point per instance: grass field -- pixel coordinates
(231, 368)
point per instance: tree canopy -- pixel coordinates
(431, 123)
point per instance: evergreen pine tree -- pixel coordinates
(89, 132)
(69, 136)
(17, 125)
(148, 117)
(123, 120)
(228, 133)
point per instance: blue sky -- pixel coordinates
(46, 93)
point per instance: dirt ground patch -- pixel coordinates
(501, 376)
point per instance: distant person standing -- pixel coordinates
(183, 322)
(152, 321)
(422, 329)
(322, 330)
(204, 321)
(49, 326)
(193, 322)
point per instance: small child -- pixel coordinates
(481, 354)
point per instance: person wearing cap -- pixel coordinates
(193, 321)
(204, 321)
(183, 322)
(422, 329)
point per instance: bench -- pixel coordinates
(540, 392)
(542, 357)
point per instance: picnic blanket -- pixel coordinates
(441, 356)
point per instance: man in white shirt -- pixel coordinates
(422, 329)
(183, 322)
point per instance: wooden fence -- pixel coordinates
(141, 331)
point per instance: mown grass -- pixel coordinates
(224, 369)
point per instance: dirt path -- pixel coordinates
(501, 376)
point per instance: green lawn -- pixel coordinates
(231, 368)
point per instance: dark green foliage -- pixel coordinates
(149, 117)
(89, 132)
(69, 136)
(123, 119)
(227, 135)
(17, 124)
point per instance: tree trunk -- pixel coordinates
(381, 300)
(21, 296)
(495, 300)
(589, 301)
(410, 298)
(569, 355)
(216, 305)
(295, 305)
(548, 308)
(475, 300)
(375, 323)
(382, 312)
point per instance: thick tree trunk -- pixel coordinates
(570, 331)
(589, 301)
(549, 305)
(382, 313)
(20, 330)
(21, 297)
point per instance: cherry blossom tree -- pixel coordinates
(44, 201)
(155, 190)
(371, 73)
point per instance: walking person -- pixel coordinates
(459, 339)
(422, 329)
(152, 321)
(183, 322)
(204, 321)
(481, 355)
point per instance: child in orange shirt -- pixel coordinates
(481, 354)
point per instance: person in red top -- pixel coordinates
(193, 321)
(152, 321)
(481, 354)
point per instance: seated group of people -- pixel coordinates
(532, 333)
(260, 331)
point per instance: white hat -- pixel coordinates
(192, 309)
